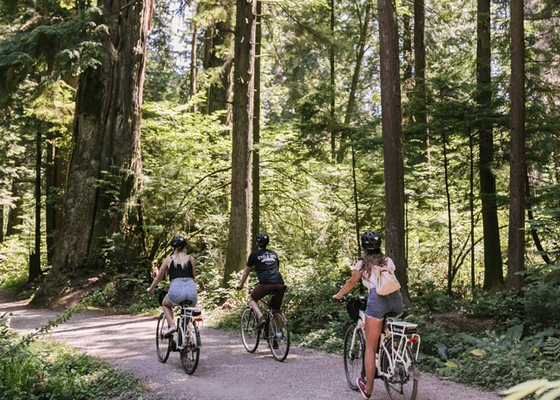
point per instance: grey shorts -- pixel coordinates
(182, 289)
(379, 306)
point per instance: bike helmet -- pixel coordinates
(178, 242)
(371, 241)
(262, 239)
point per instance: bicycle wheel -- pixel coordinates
(402, 384)
(163, 344)
(279, 339)
(354, 349)
(191, 351)
(250, 334)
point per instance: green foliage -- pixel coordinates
(542, 388)
(37, 369)
(14, 258)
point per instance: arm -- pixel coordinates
(160, 275)
(244, 276)
(349, 285)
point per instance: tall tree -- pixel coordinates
(243, 109)
(420, 91)
(256, 210)
(516, 237)
(493, 275)
(101, 209)
(392, 139)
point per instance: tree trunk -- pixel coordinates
(1, 223)
(420, 91)
(256, 130)
(101, 207)
(15, 213)
(516, 237)
(332, 124)
(193, 64)
(392, 139)
(243, 109)
(55, 171)
(355, 79)
(450, 274)
(35, 258)
(493, 275)
(217, 43)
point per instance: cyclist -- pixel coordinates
(268, 274)
(377, 306)
(181, 269)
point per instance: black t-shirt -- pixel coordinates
(267, 265)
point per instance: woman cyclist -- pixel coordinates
(377, 306)
(181, 269)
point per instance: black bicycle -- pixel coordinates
(275, 330)
(186, 340)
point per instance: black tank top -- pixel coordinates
(177, 270)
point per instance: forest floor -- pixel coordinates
(225, 371)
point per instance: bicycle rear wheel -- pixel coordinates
(354, 349)
(250, 334)
(279, 339)
(191, 351)
(402, 384)
(163, 344)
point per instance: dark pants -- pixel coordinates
(261, 291)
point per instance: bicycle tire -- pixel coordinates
(163, 344)
(190, 353)
(354, 355)
(403, 384)
(250, 334)
(279, 340)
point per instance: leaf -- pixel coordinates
(552, 394)
(451, 364)
(478, 352)
(523, 389)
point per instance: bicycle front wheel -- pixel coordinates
(279, 339)
(249, 332)
(401, 382)
(191, 351)
(354, 349)
(163, 344)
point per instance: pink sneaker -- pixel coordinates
(361, 383)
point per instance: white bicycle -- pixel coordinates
(396, 357)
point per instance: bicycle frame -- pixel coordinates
(398, 336)
(187, 313)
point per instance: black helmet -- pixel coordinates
(262, 239)
(371, 241)
(178, 242)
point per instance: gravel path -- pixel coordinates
(225, 371)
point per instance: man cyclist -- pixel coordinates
(268, 274)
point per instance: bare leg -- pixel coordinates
(373, 330)
(255, 307)
(168, 311)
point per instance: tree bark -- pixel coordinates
(332, 124)
(243, 109)
(35, 258)
(516, 236)
(216, 42)
(193, 64)
(15, 213)
(392, 139)
(102, 214)
(420, 91)
(493, 275)
(255, 227)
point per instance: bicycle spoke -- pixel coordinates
(279, 339)
(163, 344)
(190, 352)
(249, 332)
(402, 384)
(354, 348)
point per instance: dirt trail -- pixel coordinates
(225, 372)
